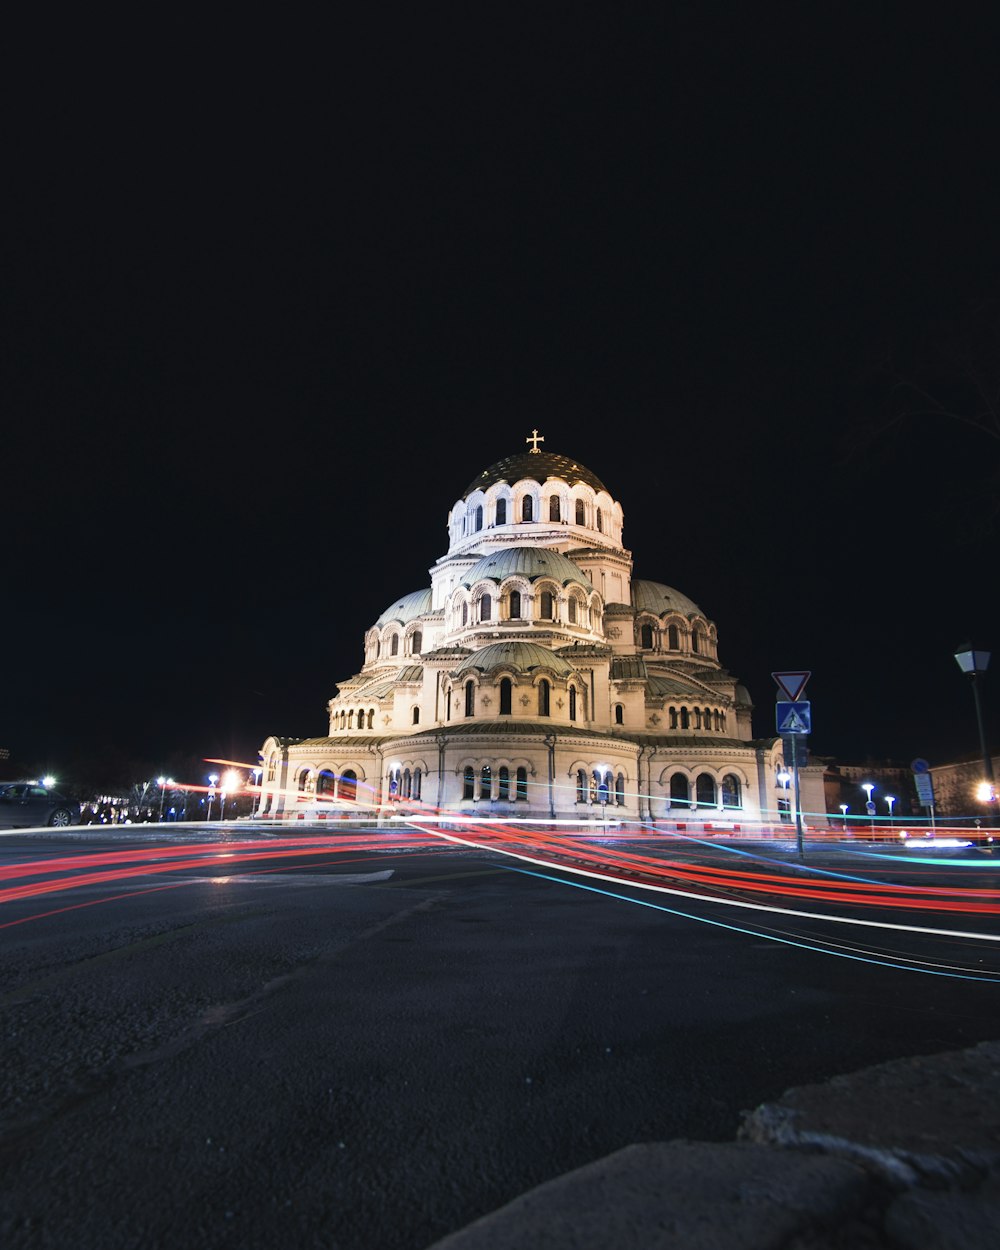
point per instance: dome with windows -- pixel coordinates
(659, 599)
(537, 466)
(407, 609)
(531, 673)
(528, 562)
(521, 657)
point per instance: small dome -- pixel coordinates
(656, 598)
(536, 466)
(408, 608)
(529, 562)
(520, 656)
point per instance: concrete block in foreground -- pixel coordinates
(676, 1195)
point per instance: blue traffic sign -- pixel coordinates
(920, 766)
(794, 718)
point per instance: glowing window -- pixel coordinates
(581, 513)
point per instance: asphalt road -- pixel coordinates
(374, 1049)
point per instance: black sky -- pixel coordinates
(274, 297)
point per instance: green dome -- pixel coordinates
(537, 467)
(656, 598)
(408, 608)
(530, 562)
(520, 656)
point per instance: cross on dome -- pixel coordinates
(534, 440)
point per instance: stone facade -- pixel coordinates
(536, 677)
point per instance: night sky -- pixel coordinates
(275, 297)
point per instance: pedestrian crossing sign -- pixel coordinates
(794, 718)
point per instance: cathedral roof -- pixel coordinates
(520, 656)
(656, 598)
(417, 603)
(529, 562)
(537, 466)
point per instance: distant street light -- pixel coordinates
(163, 782)
(212, 782)
(231, 781)
(255, 773)
(843, 812)
(973, 663)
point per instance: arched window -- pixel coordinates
(407, 783)
(620, 790)
(705, 790)
(571, 610)
(371, 718)
(619, 714)
(582, 788)
(416, 716)
(465, 614)
(485, 608)
(486, 782)
(501, 512)
(343, 720)
(572, 702)
(673, 638)
(505, 691)
(348, 788)
(673, 718)
(543, 697)
(697, 718)
(394, 645)
(600, 521)
(731, 791)
(545, 610)
(303, 778)
(417, 782)
(479, 517)
(350, 719)
(416, 642)
(646, 637)
(503, 783)
(447, 704)
(680, 791)
(554, 508)
(468, 782)
(707, 718)
(326, 783)
(685, 718)
(522, 785)
(695, 641)
(470, 698)
(581, 513)
(515, 605)
(527, 508)
(378, 648)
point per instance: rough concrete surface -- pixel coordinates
(900, 1156)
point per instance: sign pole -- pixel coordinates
(798, 799)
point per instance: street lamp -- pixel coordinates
(163, 782)
(255, 773)
(231, 781)
(843, 812)
(973, 663)
(868, 787)
(212, 782)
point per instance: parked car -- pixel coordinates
(29, 803)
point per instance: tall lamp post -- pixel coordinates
(973, 663)
(212, 780)
(868, 787)
(890, 799)
(163, 782)
(843, 812)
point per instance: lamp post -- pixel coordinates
(163, 782)
(212, 780)
(231, 782)
(973, 663)
(843, 812)
(868, 787)
(255, 773)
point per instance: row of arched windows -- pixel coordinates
(510, 607)
(700, 641)
(505, 689)
(328, 783)
(473, 522)
(705, 791)
(344, 719)
(596, 787)
(404, 784)
(507, 786)
(698, 718)
(414, 644)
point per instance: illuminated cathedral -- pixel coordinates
(536, 677)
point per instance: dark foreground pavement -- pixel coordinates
(338, 1058)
